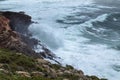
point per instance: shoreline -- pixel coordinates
(78, 74)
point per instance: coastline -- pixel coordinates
(13, 42)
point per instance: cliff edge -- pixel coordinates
(19, 61)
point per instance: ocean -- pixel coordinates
(83, 33)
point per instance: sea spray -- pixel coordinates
(67, 40)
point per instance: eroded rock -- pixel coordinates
(42, 61)
(18, 21)
(37, 74)
(10, 39)
(14, 35)
(23, 73)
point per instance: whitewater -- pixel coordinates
(83, 33)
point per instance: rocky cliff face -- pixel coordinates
(14, 35)
(18, 21)
(10, 39)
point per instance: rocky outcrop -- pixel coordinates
(14, 35)
(10, 39)
(23, 73)
(18, 21)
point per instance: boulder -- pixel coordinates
(23, 73)
(4, 71)
(37, 74)
(53, 73)
(42, 61)
(1, 65)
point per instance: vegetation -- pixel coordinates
(11, 62)
(16, 61)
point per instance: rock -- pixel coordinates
(4, 23)
(18, 21)
(1, 65)
(53, 73)
(10, 39)
(42, 61)
(23, 73)
(65, 79)
(4, 71)
(67, 72)
(62, 69)
(47, 53)
(81, 79)
(47, 68)
(60, 73)
(37, 74)
(19, 53)
(31, 42)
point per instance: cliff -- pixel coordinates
(16, 36)
(19, 61)
(10, 39)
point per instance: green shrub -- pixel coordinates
(70, 76)
(15, 61)
(69, 67)
(55, 66)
